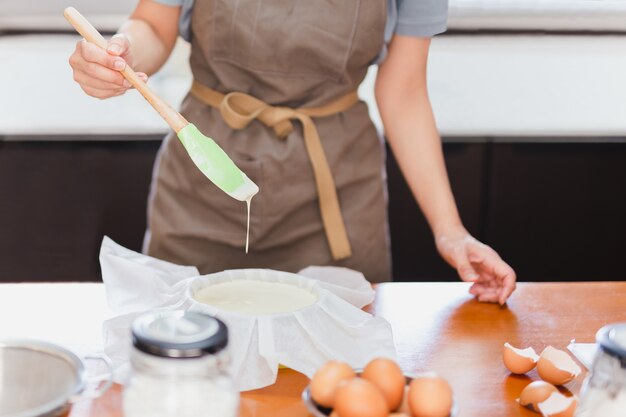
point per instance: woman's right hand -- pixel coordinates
(98, 72)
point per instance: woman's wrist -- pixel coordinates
(449, 229)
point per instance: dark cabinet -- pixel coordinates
(413, 249)
(554, 211)
(57, 200)
(557, 211)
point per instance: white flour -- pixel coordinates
(598, 403)
(155, 396)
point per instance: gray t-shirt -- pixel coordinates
(419, 18)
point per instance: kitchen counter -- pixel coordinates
(437, 327)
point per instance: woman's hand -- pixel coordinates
(98, 71)
(494, 280)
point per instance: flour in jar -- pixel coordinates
(255, 297)
(149, 396)
(598, 403)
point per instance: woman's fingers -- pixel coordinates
(87, 79)
(90, 72)
(102, 93)
(509, 280)
(90, 84)
(98, 71)
(466, 271)
(488, 298)
(484, 293)
(487, 261)
(118, 45)
(503, 275)
(494, 280)
(96, 55)
(143, 76)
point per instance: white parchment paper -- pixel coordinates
(334, 327)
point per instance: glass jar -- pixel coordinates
(604, 391)
(179, 367)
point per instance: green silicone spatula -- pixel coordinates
(205, 153)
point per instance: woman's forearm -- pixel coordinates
(415, 141)
(151, 31)
(402, 96)
(148, 52)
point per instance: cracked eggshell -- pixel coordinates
(535, 393)
(556, 366)
(519, 361)
(558, 405)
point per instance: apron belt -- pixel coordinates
(239, 109)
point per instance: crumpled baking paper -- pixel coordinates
(584, 352)
(334, 327)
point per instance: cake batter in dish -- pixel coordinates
(255, 297)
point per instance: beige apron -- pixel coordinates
(286, 53)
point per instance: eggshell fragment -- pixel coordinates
(327, 380)
(519, 361)
(430, 396)
(534, 393)
(556, 366)
(360, 398)
(558, 405)
(387, 376)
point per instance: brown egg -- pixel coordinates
(519, 361)
(360, 398)
(430, 396)
(558, 405)
(556, 366)
(534, 393)
(399, 415)
(327, 379)
(388, 378)
(404, 404)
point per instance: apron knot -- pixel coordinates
(239, 109)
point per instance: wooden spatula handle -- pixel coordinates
(91, 34)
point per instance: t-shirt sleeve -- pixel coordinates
(421, 18)
(184, 25)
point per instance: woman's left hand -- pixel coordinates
(494, 280)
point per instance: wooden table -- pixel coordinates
(437, 327)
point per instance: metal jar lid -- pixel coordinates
(179, 334)
(612, 340)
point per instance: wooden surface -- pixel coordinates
(438, 327)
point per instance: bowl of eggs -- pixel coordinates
(379, 390)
